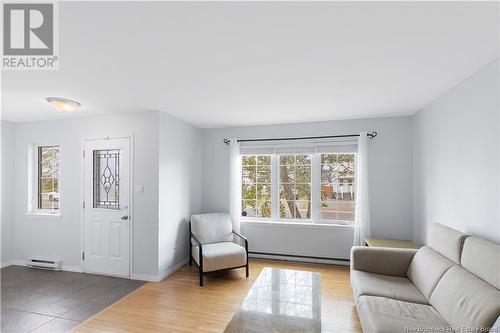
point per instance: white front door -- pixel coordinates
(106, 206)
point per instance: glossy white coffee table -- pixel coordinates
(280, 300)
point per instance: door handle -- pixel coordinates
(124, 217)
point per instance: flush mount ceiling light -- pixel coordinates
(63, 104)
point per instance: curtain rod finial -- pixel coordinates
(226, 141)
(372, 134)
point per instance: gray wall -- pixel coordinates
(390, 185)
(179, 187)
(53, 237)
(167, 162)
(456, 159)
(7, 208)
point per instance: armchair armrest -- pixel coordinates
(197, 241)
(240, 236)
(244, 240)
(381, 260)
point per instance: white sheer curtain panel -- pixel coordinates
(235, 184)
(362, 211)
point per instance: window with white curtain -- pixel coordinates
(305, 182)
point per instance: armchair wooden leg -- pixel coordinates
(201, 278)
(190, 261)
(247, 270)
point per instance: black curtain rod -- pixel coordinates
(370, 135)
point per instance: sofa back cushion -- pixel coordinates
(212, 228)
(482, 258)
(426, 269)
(446, 241)
(464, 300)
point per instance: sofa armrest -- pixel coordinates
(381, 260)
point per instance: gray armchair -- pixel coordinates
(212, 244)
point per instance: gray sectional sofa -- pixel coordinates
(450, 285)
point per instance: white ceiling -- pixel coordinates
(229, 64)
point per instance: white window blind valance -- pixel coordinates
(300, 147)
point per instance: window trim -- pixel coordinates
(315, 218)
(33, 183)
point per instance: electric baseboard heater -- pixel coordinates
(53, 265)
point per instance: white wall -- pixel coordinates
(456, 159)
(7, 184)
(61, 238)
(179, 187)
(390, 185)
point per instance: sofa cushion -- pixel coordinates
(482, 258)
(381, 260)
(426, 268)
(212, 228)
(400, 288)
(496, 325)
(220, 256)
(446, 241)
(385, 315)
(464, 300)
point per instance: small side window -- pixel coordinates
(48, 194)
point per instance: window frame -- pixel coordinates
(315, 218)
(34, 179)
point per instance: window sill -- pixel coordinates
(296, 224)
(40, 214)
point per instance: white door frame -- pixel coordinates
(130, 137)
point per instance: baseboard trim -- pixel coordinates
(300, 258)
(19, 262)
(173, 269)
(7, 263)
(144, 277)
(161, 276)
(76, 269)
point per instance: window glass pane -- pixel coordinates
(264, 174)
(287, 160)
(303, 174)
(303, 209)
(295, 186)
(303, 159)
(287, 173)
(249, 173)
(346, 165)
(249, 208)
(48, 185)
(264, 160)
(286, 209)
(248, 160)
(106, 178)
(256, 186)
(303, 192)
(287, 192)
(263, 192)
(337, 187)
(48, 177)
(264, 208)
(248, 191)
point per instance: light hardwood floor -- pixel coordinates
(178, 304)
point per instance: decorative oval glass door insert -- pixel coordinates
(107, 179)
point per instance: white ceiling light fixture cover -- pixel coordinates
(63, 104)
